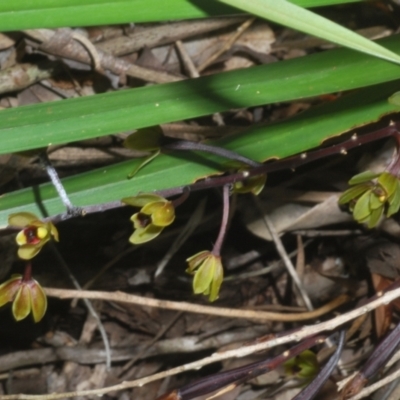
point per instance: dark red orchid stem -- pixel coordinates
(239, 375)
(315, 386)
(27, 276)
(181, 199)
(288, 163)
(219, 151)
(224, 223)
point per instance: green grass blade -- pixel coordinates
(70, 120)
(286, 13)
(298, 134)
(28, 14)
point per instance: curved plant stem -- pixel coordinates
(87, 303)
(219, 151)
(285, 258)
(224, 223)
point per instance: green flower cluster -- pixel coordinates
(371, 196)
(155, 214)
(26, 296)
(304, 366)
(208, 273)
(24, 292)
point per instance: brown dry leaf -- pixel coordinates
(258, 38)
(6, 41)
(294, 216)
(95, 380)
(10, 164)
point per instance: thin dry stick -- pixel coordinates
(88, 305)
(195, 308)
(154, 340)
(300, 259)
(216, 357)
(194, 73)
(274, 265)
(228, 44)
(285, 258)
(191, 68)
(59, 44)
(91, 48)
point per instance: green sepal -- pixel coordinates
(394, 201)
(375, 217)
(394, 99)
(148, 159)
(146, 139)
(361, 209)
(363, 177)
(142, 199)
(375, 202)
(388, 182)
(353, 193)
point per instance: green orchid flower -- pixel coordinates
(304, 366)
(26, 296)
(208, 273)
(371, 196)
(34, 235)
(155, 214)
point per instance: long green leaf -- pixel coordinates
(286, 13)
(298, 134)
(28, 14)
(65, 121)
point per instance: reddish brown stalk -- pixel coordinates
(27, 276)
(224, 223)
(238, 375)
(288, 163)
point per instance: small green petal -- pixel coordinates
(143, 163)
(22, 219)
(20, 238)
(142, 199)
(363, 177)
(22, 304)
(146, 139)
(39, 302)
(9, 288)
(375, 217)
(152, 207)
(164, 215)
(143, 235)
(388, 182)
(361, 209)
(217, 281)
(376, 202)
(353, 193)
(394, 99)
(196, 260)
(204, 276)
(28, 251)
(53, 231)
(394, 202)
(254, 184)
